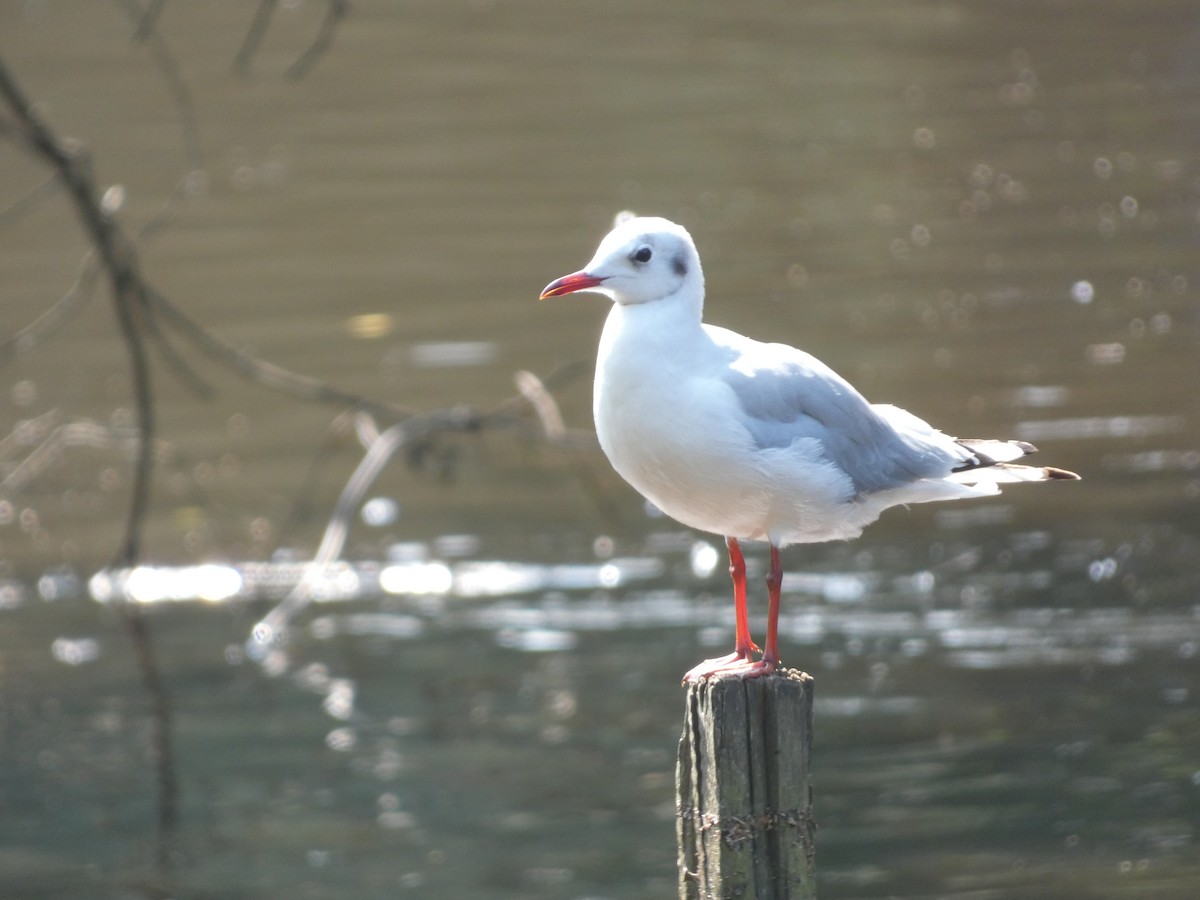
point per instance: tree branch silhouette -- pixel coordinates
(150, 324)
(136, 306)
(381, 447)
(119, 263)
(335, 10)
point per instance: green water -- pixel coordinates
(985, 213)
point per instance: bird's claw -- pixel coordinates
(735, 665)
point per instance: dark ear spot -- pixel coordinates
(679, 264)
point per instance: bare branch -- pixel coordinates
(143, 315)
(534, 391)
(63, 309)
(185, 105)
(148, 20)
(119, 262)
(48, 439)
(334, 11)
(179, 367)
(26, 433)
(379, 452)
(33, 198)
(254, 36)
(268, 375)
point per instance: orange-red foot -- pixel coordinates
(710, 667)
(735, 665)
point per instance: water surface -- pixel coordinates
(984, 213)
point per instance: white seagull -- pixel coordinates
(752, 441)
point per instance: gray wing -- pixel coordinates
(786, 394)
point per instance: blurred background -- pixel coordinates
(985, 213)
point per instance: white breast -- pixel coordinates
(672, 429)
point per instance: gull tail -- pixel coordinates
(993, 461)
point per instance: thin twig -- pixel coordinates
(254, 36)
(175, 362)
(60, 312)
(334, 11)
(305, 492)
(273, 626)
(259, 371)
(381, 448)
(539, 398)
(119, 263)
(148, 20)
(33, 197)
(31, 431)
(185, 106)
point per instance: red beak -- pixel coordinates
(569, 284)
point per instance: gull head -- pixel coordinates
(642, 260)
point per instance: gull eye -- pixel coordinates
(643, 254)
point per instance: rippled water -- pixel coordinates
(984, 213)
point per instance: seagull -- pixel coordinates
(753, 441)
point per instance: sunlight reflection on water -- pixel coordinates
(539, 608)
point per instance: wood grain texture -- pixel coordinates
(743, 791)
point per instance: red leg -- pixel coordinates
(774, 582)
(738, 664)
(742, 645)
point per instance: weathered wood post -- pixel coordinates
(742, 792)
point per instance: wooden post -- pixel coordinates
(742, 791)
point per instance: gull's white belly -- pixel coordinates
(689, 456)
